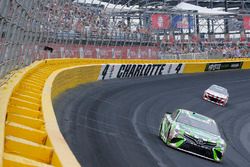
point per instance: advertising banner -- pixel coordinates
(182, 22)
(160, 21)
(223, 66)
(242, 36)
(111, 71)
(104, 52)
(246, 22)
(234, 24)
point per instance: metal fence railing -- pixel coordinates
(37, 29)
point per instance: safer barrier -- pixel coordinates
(30, 124)
(57, 83)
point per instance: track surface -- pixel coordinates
(115, 123)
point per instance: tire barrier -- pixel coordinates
(29, 132)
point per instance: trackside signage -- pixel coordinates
(110, 71)
(223, 66)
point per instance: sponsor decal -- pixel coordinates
(182, 22)
(223, 66)
(235, 24)
(246, 22)
(200, 141)
(160, 21)
(137, 70)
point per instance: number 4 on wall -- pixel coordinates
(178, 68)
(104, 72)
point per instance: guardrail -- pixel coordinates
(30, 124)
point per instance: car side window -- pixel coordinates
(174, 114)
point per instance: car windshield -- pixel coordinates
(218, 89)
(206, 125)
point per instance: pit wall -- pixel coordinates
(48, 79)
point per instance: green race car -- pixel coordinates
(192, 133)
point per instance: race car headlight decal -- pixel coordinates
(217, 153)
(178, 141)
(223, 99)
(175, 140)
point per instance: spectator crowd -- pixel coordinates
(212, 51)
(84, 18)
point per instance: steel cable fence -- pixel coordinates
(37, 29)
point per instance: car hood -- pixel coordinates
(216, 93)
(198, 133)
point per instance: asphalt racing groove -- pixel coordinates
(115, 123)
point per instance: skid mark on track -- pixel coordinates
(245, 136)
(229, 132)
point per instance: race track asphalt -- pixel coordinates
(114, 123)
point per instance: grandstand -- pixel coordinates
(43, 43)
(116, 29)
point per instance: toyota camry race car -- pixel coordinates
(193, 133)
(216, 94)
